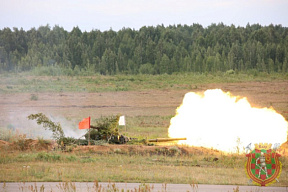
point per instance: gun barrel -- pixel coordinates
(94, 127)
(165, 139)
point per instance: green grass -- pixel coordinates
(27, 83)
(128, 166)
(118, 163)
(164, 165)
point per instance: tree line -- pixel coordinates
(149, 50)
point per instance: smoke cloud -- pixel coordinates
(218, 120)
(18, 122)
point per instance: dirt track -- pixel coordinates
(134, 103)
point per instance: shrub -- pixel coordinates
(21, 143)
(105, 129)
(147, 69)
(71, 158)
(34, 97)
(48, 124)
(6, 134)
(43, 156)
(230, 72)
(174, 151)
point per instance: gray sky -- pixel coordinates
(116, 14)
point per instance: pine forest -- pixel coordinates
(149, 50)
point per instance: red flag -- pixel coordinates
(85, 123)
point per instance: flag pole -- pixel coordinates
(89, 132)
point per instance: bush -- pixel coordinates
(34, 97)
(105, 129)
(147, 69)
(230, 72)
(43, 156)
(48, 124)
(174, 151)
(7, 134)
(71, 158)
(47, 71)
(21, 143)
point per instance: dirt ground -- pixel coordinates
(14, 108)
(134, 103)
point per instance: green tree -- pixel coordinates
(164, 64)
(147, 68)
(43, 120)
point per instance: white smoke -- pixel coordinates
(70, 128)
(18, 122)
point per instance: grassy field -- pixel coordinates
(148, 102)
(25, 82)
(157, 164)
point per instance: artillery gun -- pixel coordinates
(165, 139)
(121, 139)
(106, 129)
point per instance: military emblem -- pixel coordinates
(263, 166)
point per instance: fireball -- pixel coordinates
(218, 120)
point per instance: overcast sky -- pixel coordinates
(116, 14)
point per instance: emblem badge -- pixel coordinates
(263, 166)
